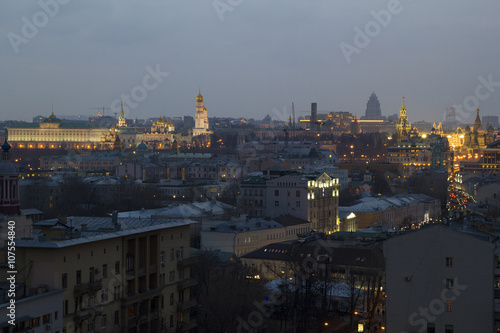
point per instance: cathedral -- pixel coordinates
(477, 136)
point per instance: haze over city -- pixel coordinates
(249, 57)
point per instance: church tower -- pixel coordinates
(122, 122)
(9, 189)
(201, 117)
(403, 127)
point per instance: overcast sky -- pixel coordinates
(249, 57)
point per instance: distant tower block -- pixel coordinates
(450, 114)
(373, 111)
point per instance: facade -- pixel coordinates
(488, 163)
(39, 313)
(422, 153)
(54, 134)
(245, 236)
(396, 212)
(87, 162)
(125, 275)
(440, 280)
(311, 197)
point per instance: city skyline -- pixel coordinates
(246, 60)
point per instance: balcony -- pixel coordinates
(189, 325)
(188, 305)
(95, 285)
(81, 288)
(130, 274)
(82, 315)
(187, 262)
(184, 284)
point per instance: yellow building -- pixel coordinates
(117, 274)
(53, 134)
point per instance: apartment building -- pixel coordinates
(312, 197)
(117, 274)
(440, 280)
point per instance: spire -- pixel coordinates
(122, 115)
(403, 105)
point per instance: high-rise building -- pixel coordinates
(201, 117)
(450, 114)
(373, 111)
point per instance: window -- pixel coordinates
(449, 283)
(55, 315)
(117, 267)
(103, 321)
(172, 255)
(297, 194)
(431, 328)
(171, 277)
(66, 307)
(104, 270)
(276, 204)
(172, 299)
(117, 318)
(276, 193)
(65, 280)
(116, 292)
(104, 296)
(297, 204)
(78, 277)
(448, 306)
(449, 329)
(46, 319)
(171, 320)
(449, 261)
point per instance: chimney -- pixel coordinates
(114, 220)
(314, 115)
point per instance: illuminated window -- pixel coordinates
(449, 261)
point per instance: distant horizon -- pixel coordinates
(252, 58)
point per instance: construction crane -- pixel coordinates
(101, 108)
(293, 117)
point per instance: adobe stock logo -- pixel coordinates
(150, 82)
(30, 28)
(372, 29)
(222, 6)
(482, 92)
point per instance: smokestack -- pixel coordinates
(314, 115)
